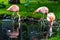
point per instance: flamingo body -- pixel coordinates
(42, 10)
(13, 8)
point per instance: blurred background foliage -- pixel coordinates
(27, 7)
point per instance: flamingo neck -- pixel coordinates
(18, 19)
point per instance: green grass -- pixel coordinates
(54, 38)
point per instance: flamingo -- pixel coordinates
(42, 10)
(50, 18)
(14, 34)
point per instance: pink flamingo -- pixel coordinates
(14, 34)
(13, 8)
(42, 10)
(50, 18)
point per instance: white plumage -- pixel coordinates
(50, 17)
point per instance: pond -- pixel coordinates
(30, 28)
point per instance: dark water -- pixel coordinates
(29, 30)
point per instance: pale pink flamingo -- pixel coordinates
(42, 10)
(50, 18)
(13, 8)
(14, 34)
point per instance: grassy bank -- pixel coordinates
(26, 10)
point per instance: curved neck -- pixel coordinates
(18, 19)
